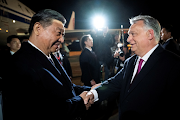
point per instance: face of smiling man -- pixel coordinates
(141, 39)
(48, 38)
(53, 36)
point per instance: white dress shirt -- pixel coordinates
(145, 58)
(90, 49)
(12, 53)
(168, 39)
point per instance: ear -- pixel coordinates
(150, 34)
(169, 33)
(37, 28)
(85, 42)
(8, 44)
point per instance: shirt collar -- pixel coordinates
(169, 39)
(89, 49)
(147, 55)
(12, 52)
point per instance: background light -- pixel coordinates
(99, 22)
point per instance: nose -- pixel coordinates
(61, 39)
(129, 38)
(19, 44)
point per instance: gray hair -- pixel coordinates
(149, 23)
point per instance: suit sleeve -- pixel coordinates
(79, 89)
(42, 92)
(111, 88)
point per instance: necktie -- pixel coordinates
(139, 66)
(138, 70)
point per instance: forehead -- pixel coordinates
(58, 25)
(139, 25)
(163, 30)
(14, 39)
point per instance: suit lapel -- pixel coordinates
(131, 69)
(151, 62)
(64, 74)
(47, 64)
(129, 72)
(61, 69)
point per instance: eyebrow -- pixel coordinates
(129, 32)
(60, 28)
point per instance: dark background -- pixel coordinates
(116, 12)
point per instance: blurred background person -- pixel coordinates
(89, 64)
(124, 53)
(60, 54)
(102, 47)
(115, 49)
(167, 34)
(14, 45)
(115, 40)
(119, 52)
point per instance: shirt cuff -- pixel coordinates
(94, 92)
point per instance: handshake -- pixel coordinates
(88, 97)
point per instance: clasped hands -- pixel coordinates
(88, 97)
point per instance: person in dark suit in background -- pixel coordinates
(170, 44)
(40, 88)
(61, 56)
(102, 47)
(148, 84)
(14, 45)
(89, 64)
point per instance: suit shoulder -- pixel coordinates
(131, 58)
(84, 53)
(171, 56)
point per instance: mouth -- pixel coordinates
(57, 43)
(132, 45)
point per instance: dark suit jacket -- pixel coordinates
(172, 46)
(40, 90)
(90, 67)
(154, 93)
(6, 58)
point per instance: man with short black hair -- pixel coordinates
(39, 88)
(13, 43)
(170, 44)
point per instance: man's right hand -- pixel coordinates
(89, 100)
